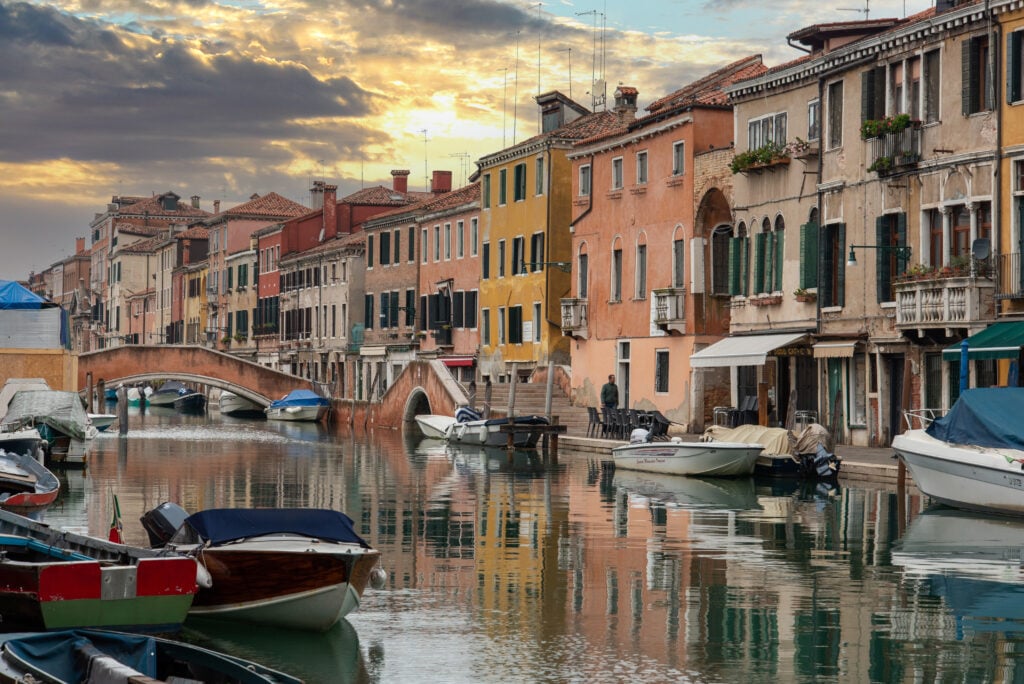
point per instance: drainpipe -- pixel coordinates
(997, 194)
(821, 221)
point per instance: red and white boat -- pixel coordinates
(25, 484)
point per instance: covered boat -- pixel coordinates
(297, 568)
(973, 457)
(469, 428)
(300, 405)
(60, 418)
(177, 394)
(117, 658)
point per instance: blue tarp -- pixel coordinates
(54, 652)
(15, 296)
(222, 525)
(986, 417)
(301, 398)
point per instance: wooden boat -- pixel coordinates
(466, 427)
(171, 392)
(296, 568)
(118, 658)
(231, 404)
(709, 459)
(971, 458)
(298, 405)
(55, 579)
(25, 484)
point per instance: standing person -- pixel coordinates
(610, 393)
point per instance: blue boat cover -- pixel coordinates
(985, 417)
(223, 525)
(300, 398)
(16, 296)
(54, 652)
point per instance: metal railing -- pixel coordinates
(1008, 277)
(574, 316)
(893, 151)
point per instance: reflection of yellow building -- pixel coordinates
(525, 239)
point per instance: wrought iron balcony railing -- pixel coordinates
(670, 309)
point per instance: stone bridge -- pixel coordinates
(151, 363)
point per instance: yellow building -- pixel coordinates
(526, 243)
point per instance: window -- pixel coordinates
(398, 245)
(458, 309)
(385, 248)
(447, 242)
(640, 279)
(641, 168)
(932, 84)
(961, 229)
(369, 251)
(835, 114)
(872, 94)
(936, 249)
(368, 311)
(501, 258)
(537, 252)
(768, 257)
(616, 289)
(518, 256)
(515, 325)
(460, 239)
(585, 180)
(832, 279)
(582, 283)
(485, 191)
(891, 231)
(739, 262)
(536, 321)
(485, 334)
(501, 325)
(766, 129)
(471, 298)
(385, 310)
(678, 158)
(813, 120)
(423, 245)
(809, 252)
(617, 173)
(502, 187)
(1014, 64)
(858, 397)
(678, 265)
(661, 371)
(485, 262)
(912, 87)
(538, 176)
(437, 244)
(976, 86)
(412, 244)
(474, 235)
(519, 182)
(410, 307)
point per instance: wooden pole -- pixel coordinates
(122, 410)
(91, 398)
(547, 398)
(762, 403)
(512, 392)
(487, 398)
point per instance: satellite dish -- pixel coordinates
(981, 249)
(321, 238)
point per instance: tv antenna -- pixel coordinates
(504, 101)
(569, 50)
(866, 10)
(463, 158)
(426, 173)
(597, 80)
(515, 92)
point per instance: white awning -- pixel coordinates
(373, 351)
(834, 350)
(750, 350)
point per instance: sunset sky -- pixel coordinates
(223, 99)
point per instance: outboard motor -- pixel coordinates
(162, 522)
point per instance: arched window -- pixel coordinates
(768, 256)
(678, 264)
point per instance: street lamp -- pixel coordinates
(902, 252)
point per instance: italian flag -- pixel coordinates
(115, 524)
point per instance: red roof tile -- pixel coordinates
(710, 90)
(153, 207)
(381, 196)
(271, 205)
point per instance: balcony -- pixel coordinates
(670, 309)
(574, 317)
(895, 152)
(940, 301)
(1010, 277)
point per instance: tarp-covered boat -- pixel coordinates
(60, 418)
(300, 405)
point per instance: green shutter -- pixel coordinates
(734, 266)
(1013, 67)
(826, 247)
(968, 90)
(759, 257)
(872, 94)
(840, 271)
(231, 273)
(780, 259)
(883, 259)
(745, 265)
(902, 259)
(809, 255)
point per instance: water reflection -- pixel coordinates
(512, 567)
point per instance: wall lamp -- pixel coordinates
(564, 266)
(902, 252)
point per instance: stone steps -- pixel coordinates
(530, 399)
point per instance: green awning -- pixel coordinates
(997, 341)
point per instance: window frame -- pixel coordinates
(642, 174)
(835, 114)
(661, 371)
(616, 175)
(585, 180)
(679, 158)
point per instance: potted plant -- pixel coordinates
(226, 340)
(239, 337)
(881, 165)
(876, 128)
(803, 295)
(769, 154)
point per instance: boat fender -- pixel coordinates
(483, 433)
(203, 577)
(378, 576)
(461, 432)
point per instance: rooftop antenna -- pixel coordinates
(463, 158)
(515, 93)
(426, 173)
(504, 100)
(539, 5)
(866, 10)
(596, 98)
(569, 50)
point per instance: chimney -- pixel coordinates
(195, 201)
(441, 183)
(625, 103)
(216, 206)
(186, 249)
(400, 180)
(316, 195)
(79, 245)
(330, 199)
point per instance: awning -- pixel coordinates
(458, 361)
(998, 341)
(380, 350)
(750, 350)
(834, 350)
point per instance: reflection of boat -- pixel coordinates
(691, 492)
(298, 568)
(299, 405)
(60, 419)
(231, 404)
(719, 459)
(110, 395)
(116, 658)
(466, 427)
(25, 485)
(972, 457)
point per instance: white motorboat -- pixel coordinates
(434, 426)
(299, 405)
(101, 421)
(467, 427)
(231, 404)
(973, 457)
(711, 458)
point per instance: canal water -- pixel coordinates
(521, 570)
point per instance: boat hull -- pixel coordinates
(709, 459)
(231, 404)
(25, 485)
(101, 421)
(481, 432)
(194, 402)
(307, 414)
(963, 476)
(434, 426)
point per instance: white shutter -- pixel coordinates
(697, 265)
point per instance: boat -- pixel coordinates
(972, 457)
(101, 421)
(191, 402)
(676, 457)
(110, 395)
(23, 440)
(468, 427)
(170, 392)
(57, 579)
(300, 405)
(807, 455)
(295, 568)
(81, 655)
(60, 419)
(231, 404)
(25, 484)
(138, 396)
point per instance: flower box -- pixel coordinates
(766, 300)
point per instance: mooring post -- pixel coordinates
(512, 392)
(122, 411)
(547, 398)
(101, 395)
(88, 393)
(488, 388)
